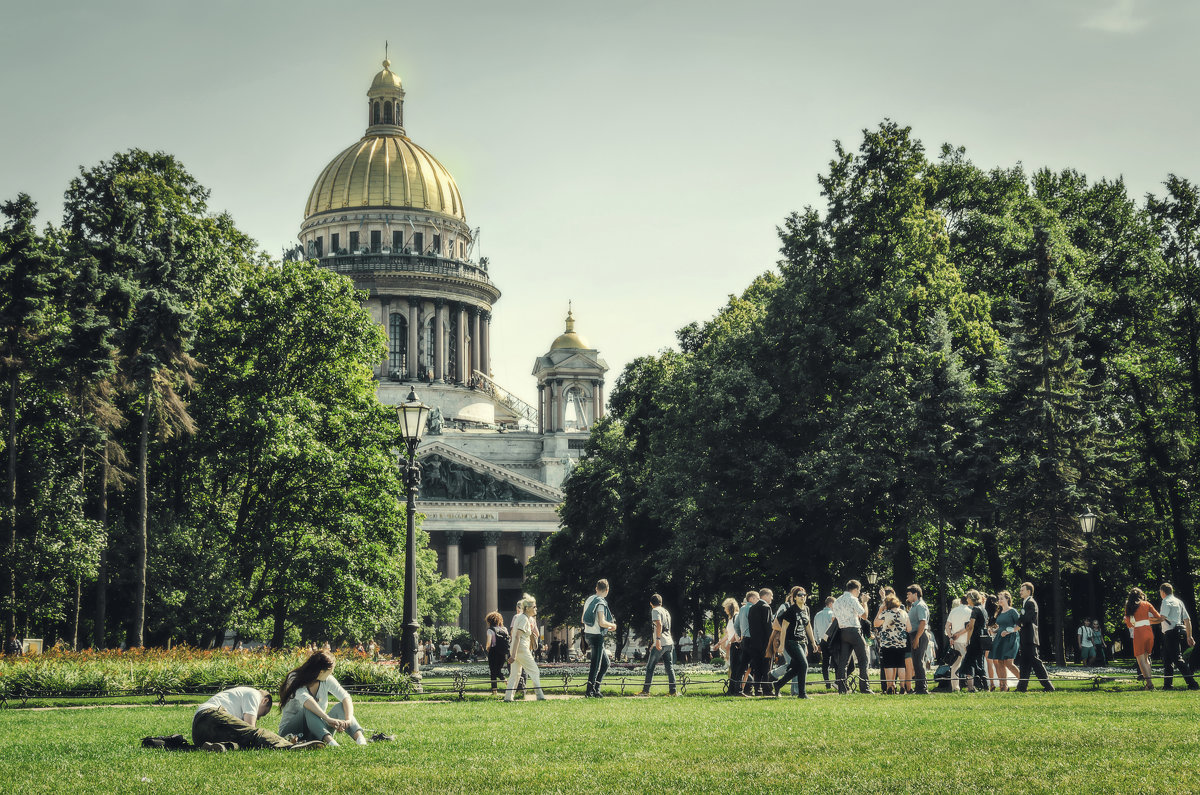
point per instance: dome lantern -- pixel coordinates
(385, 103)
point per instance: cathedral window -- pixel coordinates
(419, 242)
(354, 242)
(334, 241)
(387, 113)
(375, 113)
(437, 244)
(320, 245)
(376, 241)
(397, 346)
(397, 240)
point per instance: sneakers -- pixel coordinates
(380, 737)
(217, 748)
(308, 745)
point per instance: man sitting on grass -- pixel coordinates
(226, 722)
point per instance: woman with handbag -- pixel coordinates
(524, 632)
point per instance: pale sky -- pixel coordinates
(634, 157)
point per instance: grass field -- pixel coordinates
(1067, 742)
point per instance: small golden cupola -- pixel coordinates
(385, 102)
(569, 339)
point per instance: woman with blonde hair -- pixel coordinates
(524, 627)
(892, 622)
(729, 637)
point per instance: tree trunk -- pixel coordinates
(1060, 651)
(1181, 561)
(280, 627)
(10, 506)
(75, 628)
(942, 602)
(139, 605)
(102, 570)
(995, 564)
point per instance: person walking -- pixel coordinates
(894, 628)
(977, 630)
(1177, 635)
(663, 647)
(597, 622)
(918, 621)
(1101, 656)
(1030, 659)
(1007, 640)
(1140, 616)
(758, 622)
(524, 630)
(1087, 654)
(497, 646)
(846, 612)
(795, 626)
(740, 664)
(820, 628)
(957, 629)
(12, 646)
(990, 608)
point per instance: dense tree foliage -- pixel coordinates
(193, 440)
(949, 365)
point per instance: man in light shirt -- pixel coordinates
(846, 611)
(1176, 630)
(956, 634)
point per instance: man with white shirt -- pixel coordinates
(821, 622)
(957, 624)
(1176, 630)
(227, 721)
(846, 611)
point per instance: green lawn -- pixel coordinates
(1067, 743)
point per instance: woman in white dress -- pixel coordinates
(524, 626)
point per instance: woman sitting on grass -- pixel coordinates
(304, 702)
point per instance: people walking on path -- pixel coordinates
(597, 623)
(1140, 617)
(847, 609)
(1030, 659)
(663, 647)
(820, 628)
(795, 627)
(1177, 636)
(524, 630)
(497, 646)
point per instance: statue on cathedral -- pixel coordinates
(434, 427)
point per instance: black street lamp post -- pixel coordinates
(1087, 523)
(412, 414)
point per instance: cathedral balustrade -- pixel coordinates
(405, 263)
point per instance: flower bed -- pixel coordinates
(178, 670)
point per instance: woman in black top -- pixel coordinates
(795, 627)
(497, 647)
(972, 666)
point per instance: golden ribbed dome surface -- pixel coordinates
(569, 340)
(385, 171)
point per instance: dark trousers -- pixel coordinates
(599, 662)
(218, 726)
(824, 646)
(1174, 641)
(972, 668)
(653, 655)
(1031, 661)
(918, 662)
(850, 641)
(760, 669)
(496, 666)
(737, 668)
(797, 666)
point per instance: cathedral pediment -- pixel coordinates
(450, 475)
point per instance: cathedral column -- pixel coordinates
(529, 539)
(412, 338)
(461, 375)
(599, 399)
(475, 595)
(551, 413)
(541, 408)
(439, 347)
(453, 551)
(560, 406)
(485, 342)
(475, 364)
(491, 593)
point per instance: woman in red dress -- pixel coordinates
(1140, 616)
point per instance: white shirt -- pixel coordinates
(526, 626)
(237, 701)
(325, 689)
(846, 610)
(958, 619)
(1173, 612)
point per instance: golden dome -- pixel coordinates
(569, 339)
(385, 171)
(387, 79)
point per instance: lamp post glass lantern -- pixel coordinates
(412, 414)
(1087, 523)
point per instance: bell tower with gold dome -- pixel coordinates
(389, 215)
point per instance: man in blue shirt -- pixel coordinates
(821, 622)
(918, 619)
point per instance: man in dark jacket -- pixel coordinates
(755, 645)
(12, 646)
(1030, 659)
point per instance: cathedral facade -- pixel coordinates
(388, 215)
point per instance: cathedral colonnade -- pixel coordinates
(495, 562)
(451, 339)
